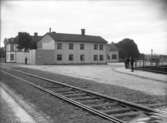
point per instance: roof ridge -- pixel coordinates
(73, 34)
(76, 37)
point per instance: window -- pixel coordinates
(101, 57)
(95, 46)
(71, 46)
(59, 57)
(82, 46)
(11, 56)
(82, 57)
(114, 56)
(59, 46)
(95, 57)
(101, 46)
(11, 47)
(71, 57)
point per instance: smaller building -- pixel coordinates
(15, 55)
(11, 49)
(112, 53)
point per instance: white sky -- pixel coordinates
(141, 20)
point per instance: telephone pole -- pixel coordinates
(151, 56)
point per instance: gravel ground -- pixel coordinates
(58, 110)
(108, 89)
(24, 111)
(105, 74)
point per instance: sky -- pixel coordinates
(144, 21)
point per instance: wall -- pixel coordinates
(14, 52)
(9, 52)
(8, 47)
(8, 57)
(110, 53)
(88, 51)
(47, 49)
(20, 57)
(46, 43)
(45, 56)
(32, 55)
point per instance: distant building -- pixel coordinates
(60, 48)
(15, 55)
(112, 53)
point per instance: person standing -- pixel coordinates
(26, 60)
(127, 63)
(132, 64)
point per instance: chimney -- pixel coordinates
(50, 30)
(82, 31)
(35, 34)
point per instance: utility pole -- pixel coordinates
(151, 56)
(1, 54)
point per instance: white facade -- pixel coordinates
(11, 52)
(88, 53)
(32, 57)
(21, 56)
(14, 55)
(48, 43)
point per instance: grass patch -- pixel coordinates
(59, 111)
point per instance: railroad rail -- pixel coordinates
(113, 109)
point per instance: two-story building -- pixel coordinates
(60, 48)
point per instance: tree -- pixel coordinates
(128, 48)
(2, 52)
(24, 41)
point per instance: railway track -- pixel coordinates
(115, 110)
(150, 70)
(162, 69)
(139, 76)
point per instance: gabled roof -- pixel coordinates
(75, 37)
(112, 47)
